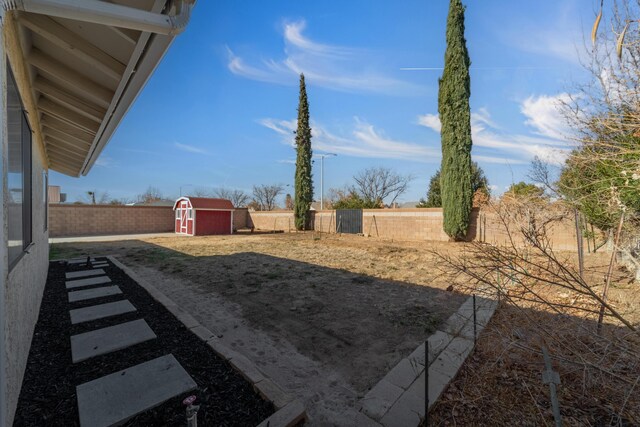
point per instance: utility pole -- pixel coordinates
(322, 156)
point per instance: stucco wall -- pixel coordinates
(23, 293)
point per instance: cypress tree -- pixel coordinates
(455, 115)
(303, 184)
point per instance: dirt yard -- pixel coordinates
(326, 315)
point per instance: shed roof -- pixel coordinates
(207, 203)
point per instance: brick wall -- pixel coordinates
(89, 220)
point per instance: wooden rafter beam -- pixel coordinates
(63, 168)
(62, 126)
(56, 152)
(70, 117)
(66, 146)
(62, 97)
(70, 139)
(73, 44)
(88, 88)
(127, 35)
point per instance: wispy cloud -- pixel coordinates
(366, 141)
(335, 67)
(189, 148)
(105, 162)
(544, 115)
(287, 161)
(548, 141)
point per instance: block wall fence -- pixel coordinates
(398, 224)
(95, 220)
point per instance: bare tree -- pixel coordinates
(201, 192)
(288, 202)
(152, 194)
(238, 197)
(94, 197)
(265, 196)
(381, 184)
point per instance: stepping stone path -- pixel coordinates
(87, 282)
(101, 311)
(78, 261)
(114, 398)
(83, 273)
(117, 397)
(93, 293)
(106, 340)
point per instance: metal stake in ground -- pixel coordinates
(426, 383)
(551, 377)
(475, 322)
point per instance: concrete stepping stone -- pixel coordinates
(93, 293)
(115, 398)
(83, 273)
(100, 311)
(87, 282)
(100, 265)
(105, 340)
(77, 261)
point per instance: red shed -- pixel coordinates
(200, 216)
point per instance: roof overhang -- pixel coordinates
(78, 78)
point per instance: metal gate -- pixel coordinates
(349, 221)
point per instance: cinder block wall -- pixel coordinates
(400, 224)
(272, 220)
(491, 229)
(324, 221)
(95, 220)
(240, 218)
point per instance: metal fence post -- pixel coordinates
(475, 323)
(426, 383)
(551, 377)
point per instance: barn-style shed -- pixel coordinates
(201, 216)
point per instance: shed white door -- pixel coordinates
(184, 217)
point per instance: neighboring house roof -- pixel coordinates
(207, 203)
(163, 202)
(79, 72)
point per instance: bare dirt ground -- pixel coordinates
(325, 316)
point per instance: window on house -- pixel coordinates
(45, 198)
(177, 213)
(19, 173)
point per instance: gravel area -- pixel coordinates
(48, 391)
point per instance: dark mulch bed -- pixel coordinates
(48, 390)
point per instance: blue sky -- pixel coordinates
(220, 109)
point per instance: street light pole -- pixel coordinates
(322, 156)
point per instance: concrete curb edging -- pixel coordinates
(288, 412)
(398, 399)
